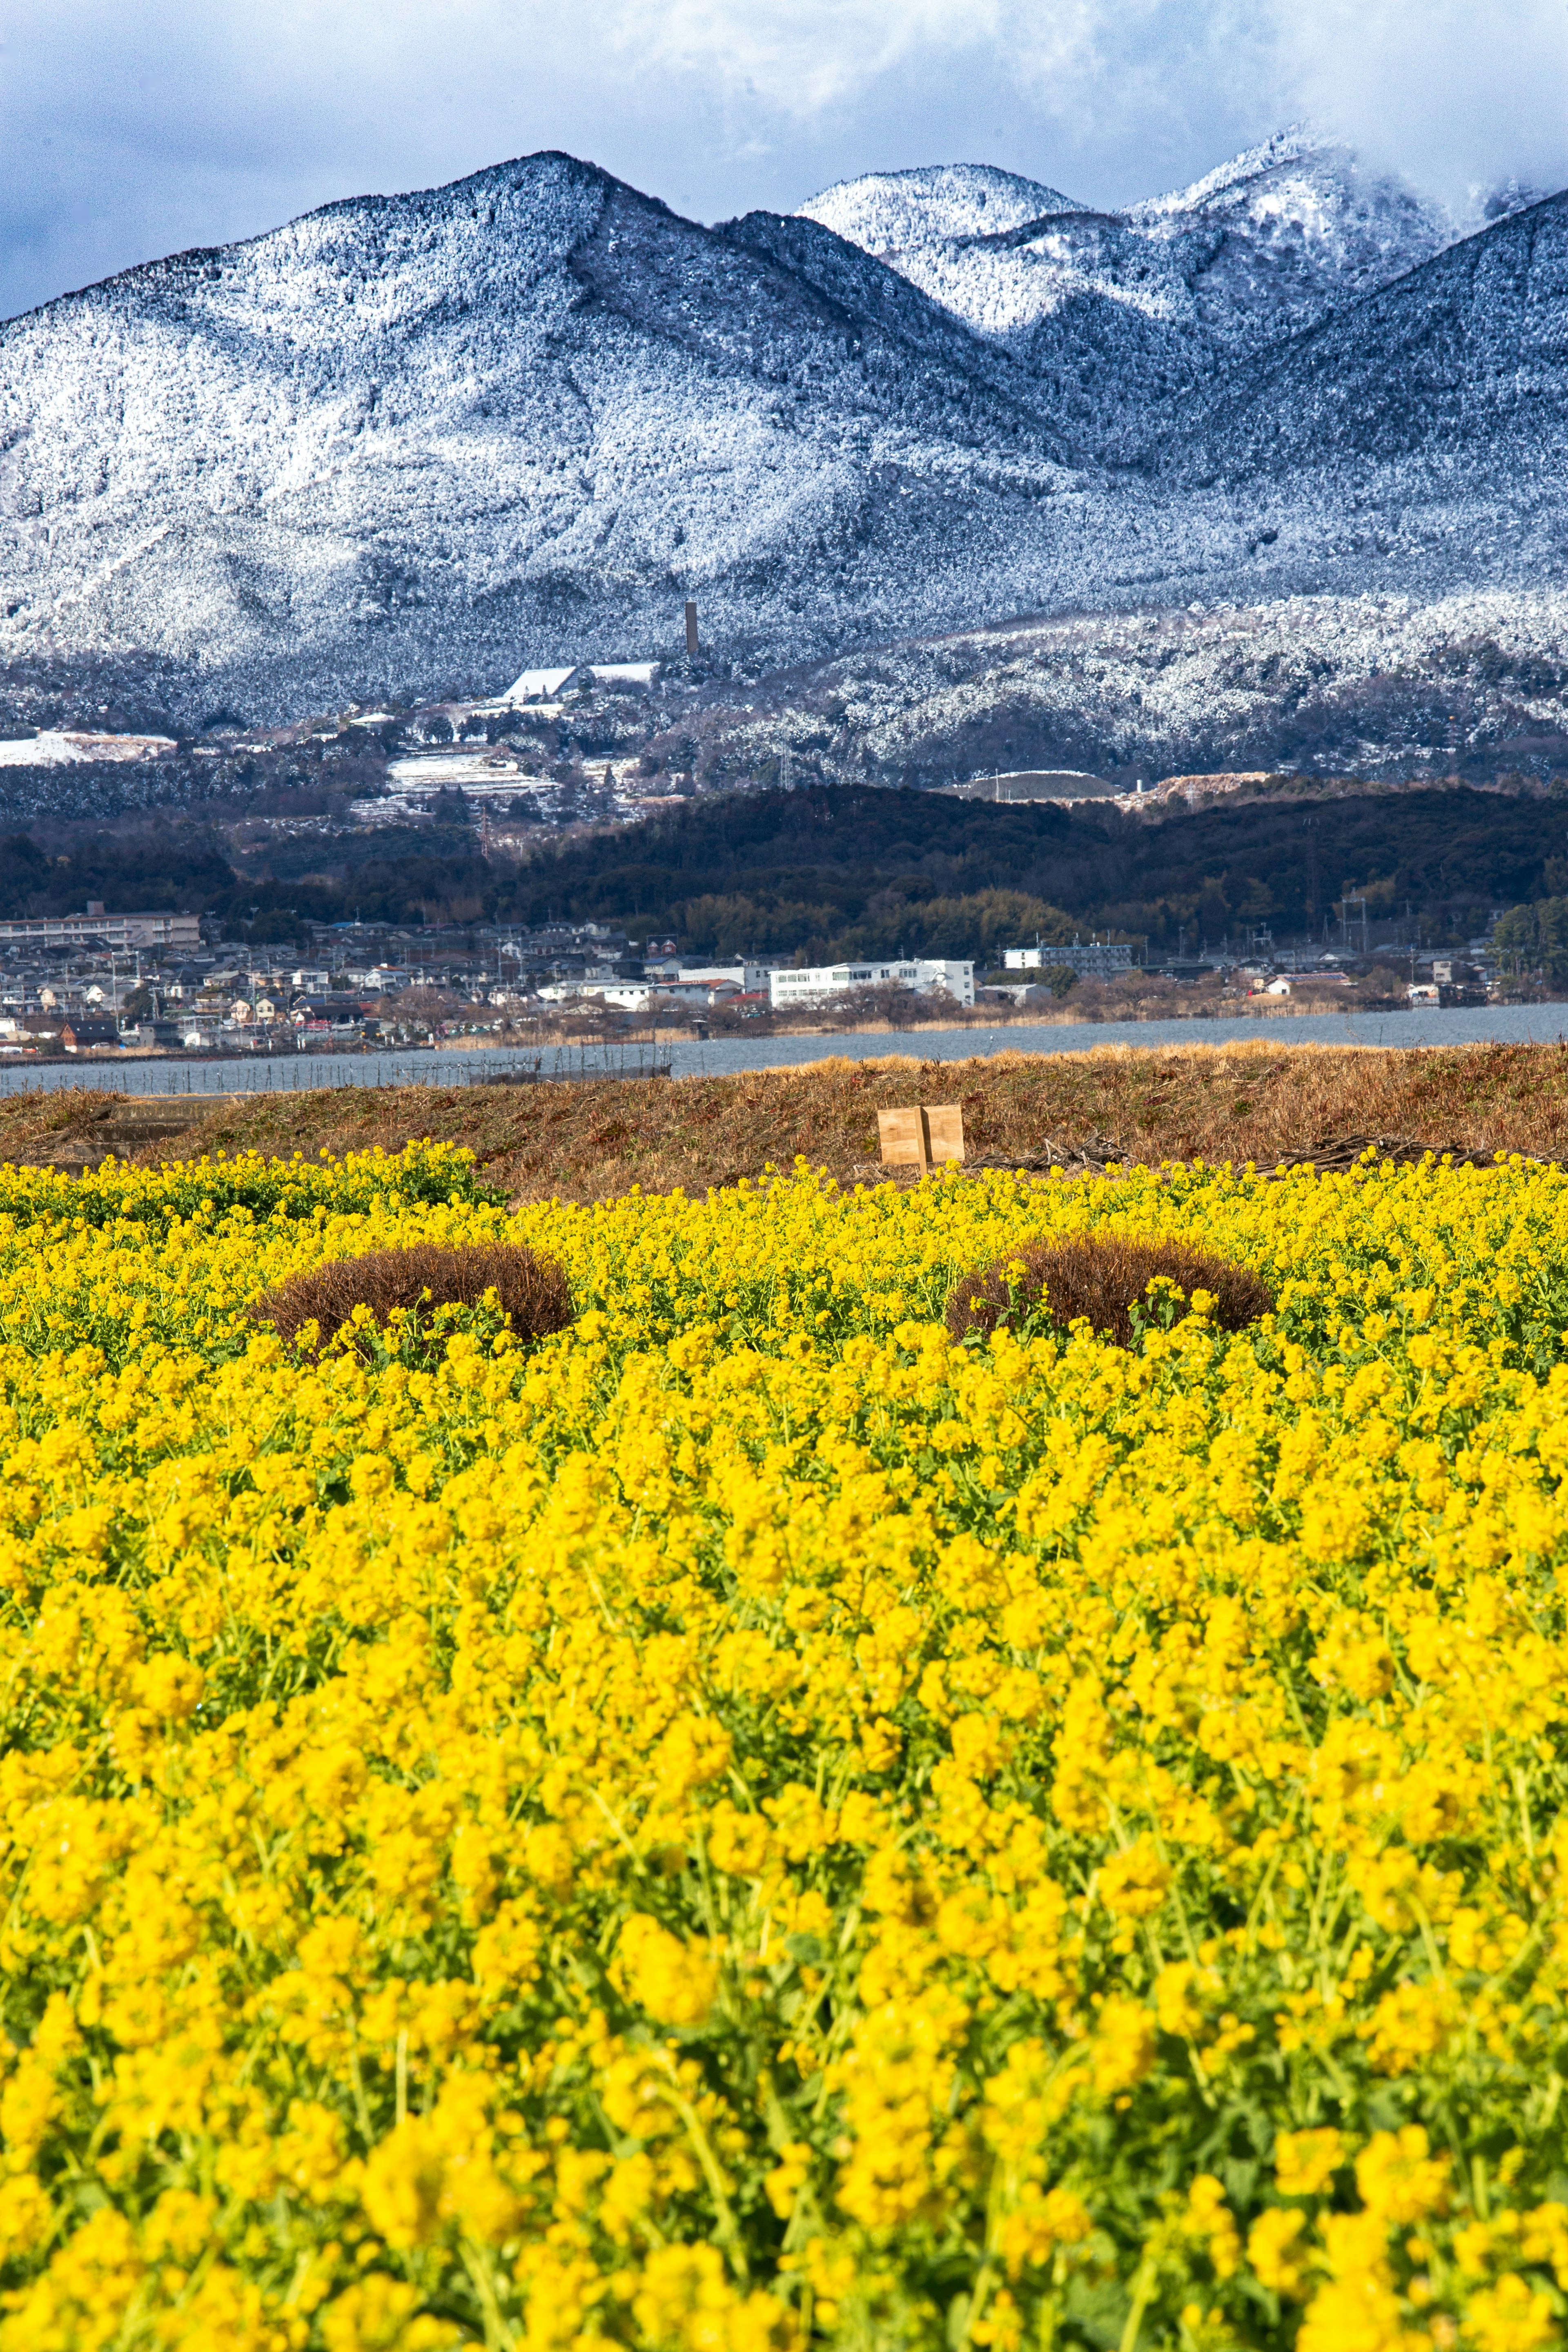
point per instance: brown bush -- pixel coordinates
(1102, 1279)
(532, 1289)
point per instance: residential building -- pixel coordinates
(79, 1030)
(818, 983)
(95, 928)
(746, 976)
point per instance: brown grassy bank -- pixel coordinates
(1252, 1101)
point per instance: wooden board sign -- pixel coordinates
(921, 1137)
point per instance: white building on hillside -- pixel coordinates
(569, 677)
(818, 983)
(544, 685)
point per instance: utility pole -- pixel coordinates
(691, 627)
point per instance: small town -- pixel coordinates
(106, 983)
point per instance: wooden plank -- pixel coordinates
(944, 1130)
(903, 1138)
(922, 1136)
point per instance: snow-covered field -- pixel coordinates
(59, 747)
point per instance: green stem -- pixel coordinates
(1143, 2291)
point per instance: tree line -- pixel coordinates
(844, 870)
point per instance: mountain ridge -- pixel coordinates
(406, 444)
(1168, 289)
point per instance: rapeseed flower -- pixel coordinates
(749, 1823)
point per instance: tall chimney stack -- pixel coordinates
(691, 627)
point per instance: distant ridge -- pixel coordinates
(1113, 311)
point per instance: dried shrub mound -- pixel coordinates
(532, 1289)
(1103, 1280)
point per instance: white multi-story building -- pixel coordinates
(668, 972)
(818, 983)
(97, 930)
(1099, 959)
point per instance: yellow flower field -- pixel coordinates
(746, 1824)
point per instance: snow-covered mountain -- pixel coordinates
(1459, 364)
(1378, 687)
(898, 213)
(409, 444)
(436, 436)
(1279, 239)
(1259, 250)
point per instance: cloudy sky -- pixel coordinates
(132, 128)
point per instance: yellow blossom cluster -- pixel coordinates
(747, 1824)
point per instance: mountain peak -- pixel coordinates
(889, 212)
(1261, 248)
(1304, 145)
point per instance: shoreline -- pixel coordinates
(561, 1039)
(981, 1020)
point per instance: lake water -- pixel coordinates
(1515, 1024)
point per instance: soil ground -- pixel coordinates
(1256, 1101)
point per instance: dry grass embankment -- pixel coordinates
(1253, 1101)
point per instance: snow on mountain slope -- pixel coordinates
(890, 213)
(862, 289)
(1262, 248)
(1463, 363)
(1418, 440)
(1374, 685)
(1297, 230)
(436, 436)
(407, 447)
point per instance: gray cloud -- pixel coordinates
(131, 128)
(1456, 96)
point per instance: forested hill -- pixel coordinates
(846, 870)
(869, 872)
